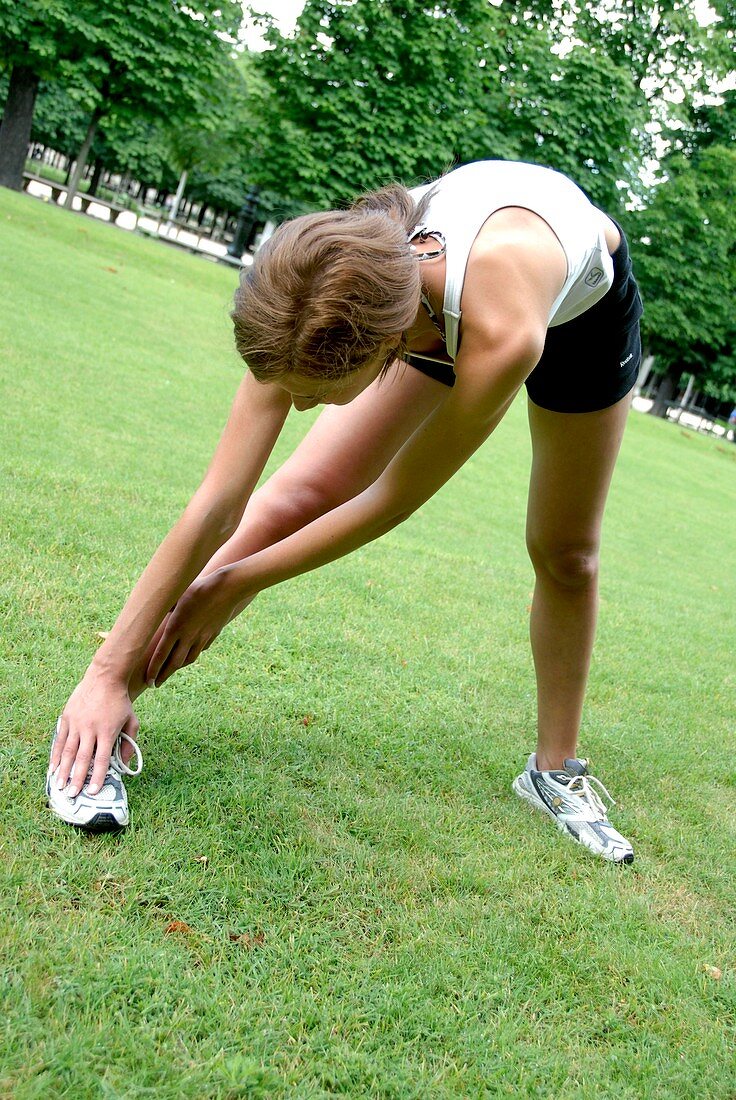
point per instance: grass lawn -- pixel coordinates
(328, 887)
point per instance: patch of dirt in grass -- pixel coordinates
(675, 904)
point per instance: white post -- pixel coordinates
(267, 231)
(688, 391)
(177, 199)
(644, 371)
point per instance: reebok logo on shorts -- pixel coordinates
(594, 277)
(628, 359)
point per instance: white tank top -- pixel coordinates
(466, 197)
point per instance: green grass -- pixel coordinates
(326, 801)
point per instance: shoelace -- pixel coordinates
(587, 793)
(116, 759)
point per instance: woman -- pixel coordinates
(415, 317)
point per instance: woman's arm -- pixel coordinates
(100, 706)
(511, 282)
(213, 513)
(491, 376)
(438, 448)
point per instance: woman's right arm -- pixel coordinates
(100, 705)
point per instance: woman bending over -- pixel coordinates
(414, 317)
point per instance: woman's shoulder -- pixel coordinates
(515, 271)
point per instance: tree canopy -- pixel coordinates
(686, 264)
(384, 89)
(140, 58)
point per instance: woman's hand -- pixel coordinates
(202, 611)
(98, 709)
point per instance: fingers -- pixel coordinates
(76, 758)
(88, 748)
(196, 650)
(62, 729)
(161, 653)
(78, 753)
(177, 658)
(172, 654)
(68, 756)
(99, 771)
(89, 725)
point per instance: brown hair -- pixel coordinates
(327, 290)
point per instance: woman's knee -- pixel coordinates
(290, 503)
(568, 565)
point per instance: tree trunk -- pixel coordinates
(15, 130)
(664, 395)
(82, 155)
(645, 370)
(94, 183)
(201, 214)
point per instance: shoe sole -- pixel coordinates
(100, 823)
(532, 801)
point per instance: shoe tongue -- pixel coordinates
(576, 767)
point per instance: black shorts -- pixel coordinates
(588, 363)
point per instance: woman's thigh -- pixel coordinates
(349, 446)
(343, 452)
(573, 460)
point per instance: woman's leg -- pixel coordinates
(344, 452)
(573, 459)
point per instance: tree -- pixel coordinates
(355, 88)
(146, 58)
(34, 40)
(686, 266)
(382, 89)
(672, 59)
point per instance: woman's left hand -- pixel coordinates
(192, 625)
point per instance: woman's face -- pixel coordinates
(305, 393)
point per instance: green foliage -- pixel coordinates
(381, 90)
(686, 264)
(671, 58)
(151, 56)
(123, 60)
(711, 125)
(584, 120)
(377, 90)
(39, 34)
(59, 120)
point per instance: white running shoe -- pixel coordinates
(569, 798)
(105, 811)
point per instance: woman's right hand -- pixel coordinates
(98, 710)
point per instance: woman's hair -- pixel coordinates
(328, 290)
